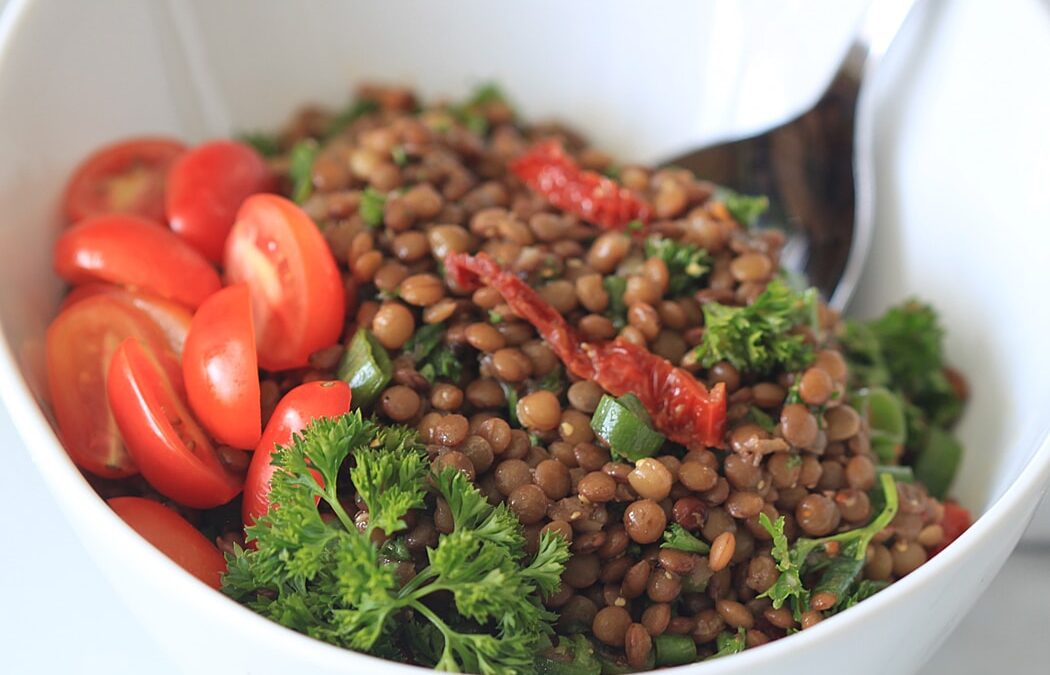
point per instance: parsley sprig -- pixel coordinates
(328, 578)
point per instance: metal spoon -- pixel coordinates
(817, 169)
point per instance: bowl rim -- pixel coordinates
(69, 488)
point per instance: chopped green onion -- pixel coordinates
(885, 415)
(624, 425)
(366, 367)
(938, 461)
(899, 473)
(674, 650)
(300, 169)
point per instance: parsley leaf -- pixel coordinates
(744, 209)
(617, 310)
(267, 145)
(300, 169)
(348, 115)
(424, 341)
(730, 643)
(442, 364)
(326, 578)
(372, 205)
(758, 338)
(679, 538)
(687, 264)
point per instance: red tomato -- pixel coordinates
(172, 318)
(207, 185)
(297, 292)
(133, 252)
(299, 407)
(221, 369)
(956, 521)
(125, 177)
(80, 343)
(169, 447)
(174, 536)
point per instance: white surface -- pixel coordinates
(62, 616)
(963, 163)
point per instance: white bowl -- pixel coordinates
(963, 220)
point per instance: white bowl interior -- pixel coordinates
(963, 213)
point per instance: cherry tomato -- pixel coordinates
(80, 344)
(129, 251)
(207, 185)
(221, 369)
(956, 520)
(125, 177)
(169, 447)
(172, 318)
(174, 536)
(297, 293)
(300, 406)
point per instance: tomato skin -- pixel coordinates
(205, 188)
(80, 343)
(133, 252)
(124, 177)
(300, 406)
(172, 318)
(173, 536)
(956, 520)
(221, 369)
(298, 299)
(167, 444)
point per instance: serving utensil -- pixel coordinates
(818, 168)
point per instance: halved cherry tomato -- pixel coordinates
(169, 447)
(299, 407)
(124, 177)
(80, 344)
(221, 368)
(174, 536)
(132, 252)
(172, 318)
(207, 185)
(297, 292)
(956, 520)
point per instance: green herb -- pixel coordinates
(300, 169)
(744, 209)
(937, 461)
(366, 367)
(328, 580)
(613, 171)
(635, 226)
(900, 474)
(398, 154)
(424, 341)
(349, 115)
(674, 650)
(552, 381)
(495, 317)
(471, 113)
(574, 655)
(624, 425)
(756, 415)
(793, 561)
(687, 264)
(885, 414)
(617, 310)
(510, 392)
(865, 589)
(267, 145)
(678, 537)
(442, 364)
(730, 643)
(371, 209)
(757, 338)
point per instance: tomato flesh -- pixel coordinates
(221, 369)
(174, 536)
(171, 450)
(956, 520)
(205, 188)
(80, 344)
(172, 318)
(299, 407)
(133, 252)
(298, 299)
(124, 177)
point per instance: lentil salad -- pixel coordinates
(501, 396)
